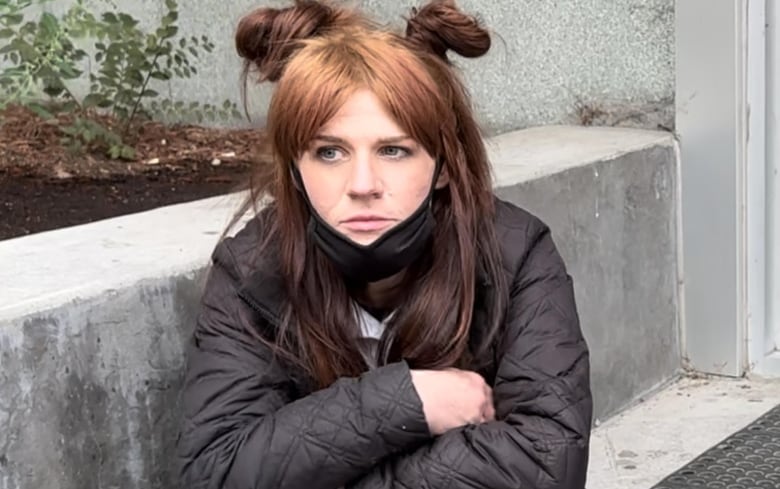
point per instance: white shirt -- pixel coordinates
(371, 330)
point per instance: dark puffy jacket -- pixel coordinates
(249, 424)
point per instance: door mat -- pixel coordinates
(748, 459)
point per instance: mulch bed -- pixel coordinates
(45, 186)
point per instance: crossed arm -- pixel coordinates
(541, 434)
(242, 430)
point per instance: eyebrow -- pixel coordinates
(337, 140)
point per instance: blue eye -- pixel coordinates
(395, 152)
(329, 153)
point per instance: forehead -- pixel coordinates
(315, 95)
(362, 116)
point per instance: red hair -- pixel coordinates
(319, 55)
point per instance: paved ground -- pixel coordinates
(638, 448)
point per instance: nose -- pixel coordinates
(364, 180)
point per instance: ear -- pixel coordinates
(444, 178)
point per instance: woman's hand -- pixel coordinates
(453, 398)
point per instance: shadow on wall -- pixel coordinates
(94, 391)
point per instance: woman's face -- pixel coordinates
(363, 174)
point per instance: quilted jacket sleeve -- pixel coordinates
(542, 394)
(242, 429)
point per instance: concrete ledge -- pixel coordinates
(52, 268)
(609, 196)
(93, 318)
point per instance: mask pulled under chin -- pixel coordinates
(391, 253)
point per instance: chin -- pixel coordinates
(363, 239)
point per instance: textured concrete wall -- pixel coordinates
(579, 61)
(614, 222)
(89, 390)
(91, 356)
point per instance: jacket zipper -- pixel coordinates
(260, 309)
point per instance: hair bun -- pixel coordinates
(440, 26)
(266, 37)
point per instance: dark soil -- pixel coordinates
(31, 204)
(45, 186)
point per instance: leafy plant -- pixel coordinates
(193, 111)
(83, 133)
(45, 60)
(42, 56)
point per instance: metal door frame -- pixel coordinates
(721, 123)
(770, 362)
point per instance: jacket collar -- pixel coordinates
(265, 291)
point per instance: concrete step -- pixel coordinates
(645, 443)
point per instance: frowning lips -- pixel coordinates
(367, 222)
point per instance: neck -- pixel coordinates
(383, 294)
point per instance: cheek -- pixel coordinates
(409, 197)
(323, 193)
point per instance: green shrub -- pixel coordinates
(43, 60)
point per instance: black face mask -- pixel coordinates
(395, 250)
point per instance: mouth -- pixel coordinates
(367, 223)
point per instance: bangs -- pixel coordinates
(327, 71)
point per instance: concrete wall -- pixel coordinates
(94, 318)
(93, 321)
(614, 220)
(579, 61)
(90, 389)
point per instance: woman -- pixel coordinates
(385, 322)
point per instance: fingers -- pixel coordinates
(488, 393)
(488, 409)
(487, 414)
(490, 413)
(480, 394)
